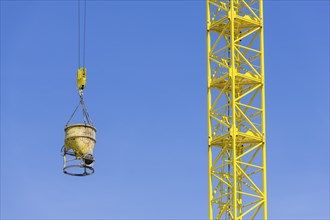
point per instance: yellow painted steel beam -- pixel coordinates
(210, 184)
(236, 110)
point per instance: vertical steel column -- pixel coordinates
(231, 20)
(262, 63)
(208, 43)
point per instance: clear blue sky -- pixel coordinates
(146, 93)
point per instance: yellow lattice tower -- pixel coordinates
(236, 110)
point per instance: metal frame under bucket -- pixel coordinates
(72, 161)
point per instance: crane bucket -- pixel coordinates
(79, 144)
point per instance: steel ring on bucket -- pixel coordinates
(91, 169)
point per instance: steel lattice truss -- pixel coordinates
(236, 110)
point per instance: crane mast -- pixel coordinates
(236, 110)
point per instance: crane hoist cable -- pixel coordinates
(81, 73)
(84, 34)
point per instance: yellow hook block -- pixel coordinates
(81, 78)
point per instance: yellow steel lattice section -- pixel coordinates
(236, 110)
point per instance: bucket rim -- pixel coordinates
(79, 125)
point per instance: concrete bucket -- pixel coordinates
(79, 143)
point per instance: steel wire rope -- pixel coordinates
(73, 114)
(78, 34)
(85, 112)
(84, 44)
(82, 48)
(82, 57)
(86, 117)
